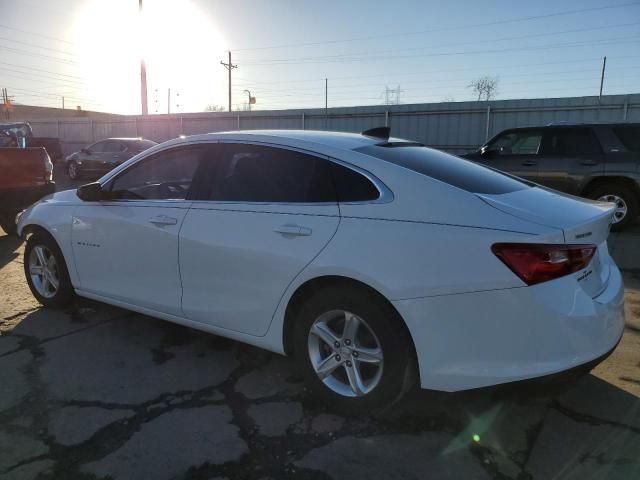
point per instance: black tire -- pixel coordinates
(398, 372)
(628, 196)
(64, 293)
(8, 223)
(73, 171)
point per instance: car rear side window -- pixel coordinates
(447, 168)
(571, 142)
(256, 173)
(629, 136)
(352, 186)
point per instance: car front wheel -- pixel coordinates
(46, 271)
(353, 349)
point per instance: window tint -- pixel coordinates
(567, 142)
(447, 168)
(352, 186)
(629, 137)
(523, 142)
(253, 173)
(141, 145)
(97, 147)
(113, 146)
(164, 176)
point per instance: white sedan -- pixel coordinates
(375, 262)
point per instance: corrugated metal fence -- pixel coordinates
(453, 126)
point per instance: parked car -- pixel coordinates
(366, 258)
(20, 135)
(598, 161)
(100, 157)
(25, 177)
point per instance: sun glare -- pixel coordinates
(179, 43)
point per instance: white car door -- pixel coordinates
(268, 213)
(126, 247)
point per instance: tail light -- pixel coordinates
(536, 263)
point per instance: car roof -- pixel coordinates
(576, 124)
(340, 140)
(126, 139)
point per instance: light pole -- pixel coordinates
(249, 94)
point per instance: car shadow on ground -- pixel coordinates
(97, 391)
(9, 245)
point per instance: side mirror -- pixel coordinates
(488, 152)
(91, 192)
(85, 150)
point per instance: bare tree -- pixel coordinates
(485, 87)
(214, 108)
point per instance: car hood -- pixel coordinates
(65, 197)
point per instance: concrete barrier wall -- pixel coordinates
(456, 127)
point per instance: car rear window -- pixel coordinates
(629, 137)
(446, 168)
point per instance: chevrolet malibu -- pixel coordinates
(375, 262)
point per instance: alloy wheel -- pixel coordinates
(621, 206)
(345, 353)
(43, 270)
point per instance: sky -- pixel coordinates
(89, 51)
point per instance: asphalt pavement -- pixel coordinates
(97, 392)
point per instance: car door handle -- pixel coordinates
(296, 230)
(162, 220)
(589, 162)
(529, 163)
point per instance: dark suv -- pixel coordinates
(599, 161)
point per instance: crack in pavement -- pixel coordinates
(591, 419)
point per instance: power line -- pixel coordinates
(607, 41)
(460, 27)
(429, 72)
(33, 45)
(359, 86)
(35, 34)
(39, 55)
(40, 70)
(473, 42)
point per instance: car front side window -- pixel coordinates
(517, 143)
(166, 175)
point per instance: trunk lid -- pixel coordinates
(581, 221)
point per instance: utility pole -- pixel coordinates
(143, 73)
(63, 102)
(604, 65)
(229, 66)
(168, 101)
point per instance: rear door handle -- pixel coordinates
(162, 220)
(296, 230)
(589, 162)
(529, 163)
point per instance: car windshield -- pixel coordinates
(446, 168)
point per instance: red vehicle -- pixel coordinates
(25, 177)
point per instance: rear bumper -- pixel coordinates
(14, 200)
(489, 338)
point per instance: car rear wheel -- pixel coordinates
(72, 170)
(625, 200)
(353, 349)
(46, 271)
